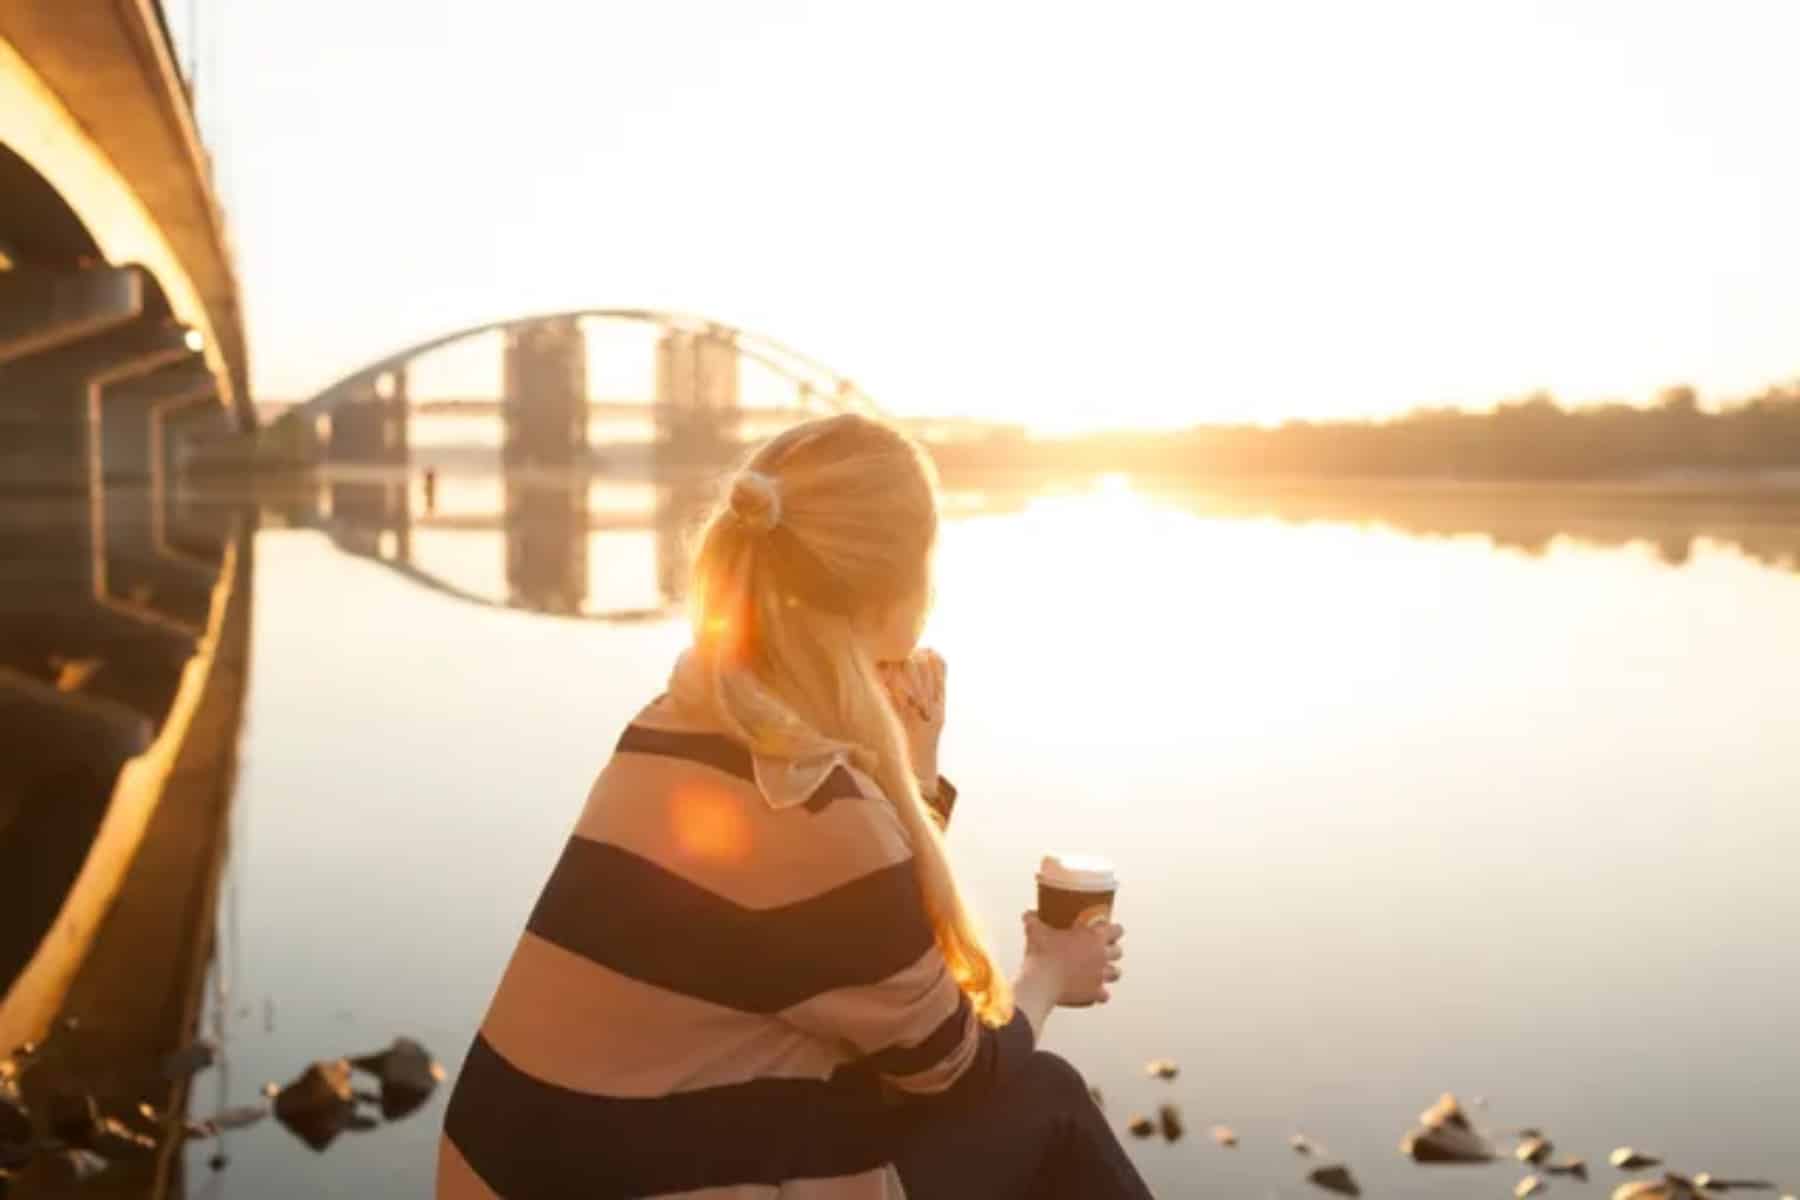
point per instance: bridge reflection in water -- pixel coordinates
(569, 544)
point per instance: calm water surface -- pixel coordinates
(1395, 814)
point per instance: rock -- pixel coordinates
(1452, 1145)
(1669, 1187)
(408, 1076)
(1707, 1182)
(1533, 1150)
(318, 1105)
(1169, 1118)
(189, 1060)
(1445, 1136)
(1141, 1126)
(1335, 1178)
(1627, 1159)
(1225, 1136)
(1574, 1167)
(1161, 1068)
(71, 1168)
(1446, 1112)
(73, 1119)
(1302, 1145)
(240, 1117)
(112, 1139)
(1531, 1185)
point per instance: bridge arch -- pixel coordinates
(832, 389)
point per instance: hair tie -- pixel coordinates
(756, 501)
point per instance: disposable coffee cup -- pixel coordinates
(1075, 889)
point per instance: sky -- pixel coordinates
(1071, 216)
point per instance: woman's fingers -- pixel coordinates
(1113, 933)
(1115, 952)
(1111, 974)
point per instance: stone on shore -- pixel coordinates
(408, 1076)
(1335, 1178)
(1445, 1136)
(1575, 1168)
(317, 1106)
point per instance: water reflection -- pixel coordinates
(570, 543)
(1370, 761)
(1761, 524)
(555, 543)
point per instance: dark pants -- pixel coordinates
(1039, 1136)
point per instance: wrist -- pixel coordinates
(1044, 969)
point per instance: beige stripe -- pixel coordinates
(456, 1179)
(569, 1021)
(717, 832)
(901, 1010)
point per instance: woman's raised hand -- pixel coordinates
(916, 688)
(1083, 959)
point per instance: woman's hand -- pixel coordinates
(916, 688)
(1082, 960)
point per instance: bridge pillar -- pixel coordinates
(544, 408)
(41, 308)
(50, 403)
(369, 426)
(128, 413)
(696, 397)
(547, 544)
(373, 517)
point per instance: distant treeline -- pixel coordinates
(1531, 438)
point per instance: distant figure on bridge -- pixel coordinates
(752, 965)
(430, 489)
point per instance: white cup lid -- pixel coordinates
(1078, 872)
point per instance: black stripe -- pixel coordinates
(937, 1046)
(836, 786)
(714, 750)
(529, 1139)
(644, 921)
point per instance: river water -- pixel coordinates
(1488, 792)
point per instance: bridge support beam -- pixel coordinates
(41, 309)
(696, 397)
(373, 517)
(50, 403)
(547, 544)
(369, 426)
(128, 415)
(544, 406)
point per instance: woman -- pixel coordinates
(751, 973)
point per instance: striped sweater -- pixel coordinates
(726, 989)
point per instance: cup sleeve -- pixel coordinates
(943, 801)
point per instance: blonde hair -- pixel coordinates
(827, 528)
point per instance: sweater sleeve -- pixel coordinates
(914, 1026)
